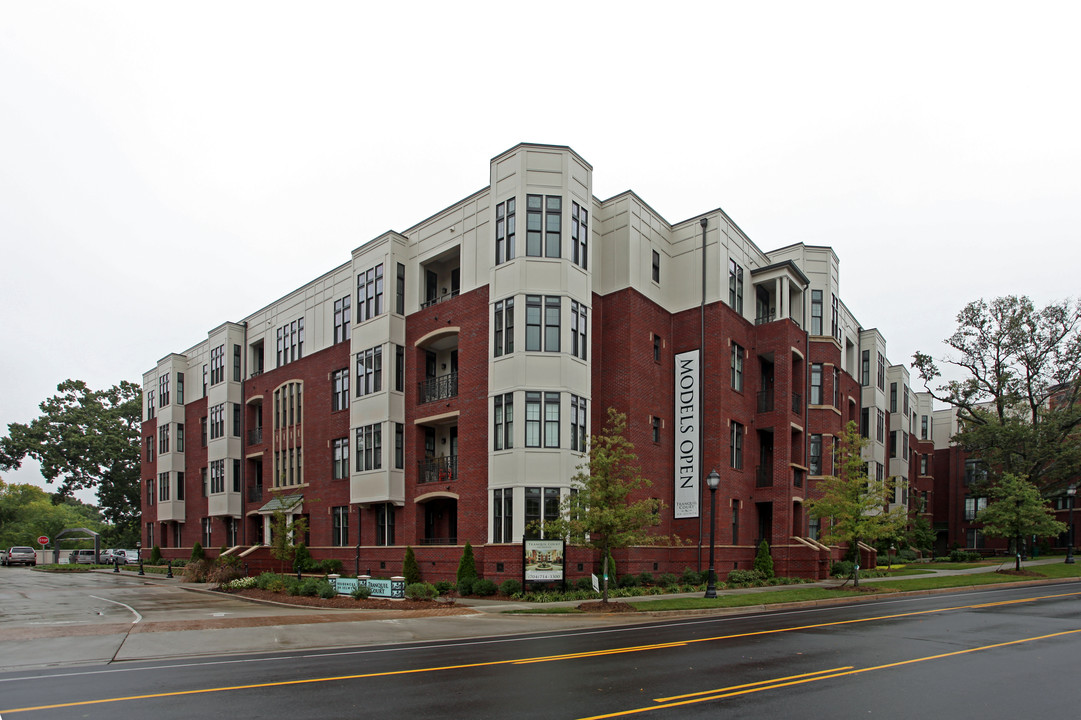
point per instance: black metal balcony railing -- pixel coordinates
(797, 477)
(441, 298)
(255, 436)
(439, 541)
(797, 403)
(765, 401)
(436, 470)
(437, 388)
(763, 476)
(763, 319)
(255, 493)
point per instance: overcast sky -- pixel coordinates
(168, 167)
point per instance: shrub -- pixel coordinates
(270, 581)
(512, 587)
(645, 579)
(410, 568)
(420, 591)
(155, 555)
(221, 573)
(743, 577)
(483, 587)
(763, 561)
(302, 559)
(467, 567)
(465, 586)
(842, 568)
(197, 552)
(442, 587)
(196, 571)
(361, 592)
(960, 556)
(612, 576)
(583, 583)
(668, 580)
(693, 577)
(240, 583)
(628, 581)
(326, 590)
(906, 555)
(309, 587)
(329, 566)
(942, 559)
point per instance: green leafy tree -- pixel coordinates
(467, 570)
(285, 529)
(763, 561)
(1018, 398)
(1016, 509)
(86, 440)
(853, 503)
(27, 512)
(601, 515)
(197, 552)
(410, 568)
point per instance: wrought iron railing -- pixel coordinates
(763, 476)
(255, 436)
(763, 319)
(441, 298)
(797, 403)
(255, 493)
(765, 401)
(797, 477)
(437, 388)
(437, 470)
(439, 541)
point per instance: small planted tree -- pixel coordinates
(410, 569)
(1016, 509)
(467, 570)
(155, 555)
(853, 502)
(601, 514)
(197, 553)
(285, 528)
(763, 561)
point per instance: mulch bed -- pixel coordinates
(345, 602)
(597, 606)
(1024, 573)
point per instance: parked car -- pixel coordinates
(106, 557)
(82, 557)
(128, 557)
(19, 555)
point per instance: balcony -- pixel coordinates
(255, 494)
(437, 470)
(437, 388)
(763, 476)
(255, 436)
(797, 403)
(797, 477)
(763, 319)
(438, 541)
(442, 298)
(765, 401)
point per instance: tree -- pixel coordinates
(86, 439)
(27, 512)
(853, 502)
(410, 568)
(1015, 509)
(286, 528)
(467, 570)
(763, 561)
(1018, 400)
(599, 513)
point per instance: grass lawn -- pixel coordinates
(744, 599)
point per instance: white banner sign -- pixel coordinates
(688, 435)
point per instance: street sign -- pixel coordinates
(43, 540)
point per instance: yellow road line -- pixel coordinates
(521, 661)
(751, 685)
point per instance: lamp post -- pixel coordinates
(714, 480)
(1070, 493)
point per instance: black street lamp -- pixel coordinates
(1070, 493)
(714, 480)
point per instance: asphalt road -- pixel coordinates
(995, 653)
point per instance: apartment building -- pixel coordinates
(440, 386)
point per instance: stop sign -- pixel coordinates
(43, 540)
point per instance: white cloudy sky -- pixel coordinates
(166, 167)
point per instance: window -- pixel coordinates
(339, 534)
(816, 384)
(656, 272)
(504, 327)
(837, 388)
(163, 439)
(735, 286)
(975, 473)
(369, 371)
(532, 419)
(217, 476)
(342, 314)
(384, 524)
(543, 218)
(880, 433)
(881, 372)
(204, 379)
(973, 505)
(149, 448)
(656, 348)
(236, 419)
(737, 367)
(163, 390)
(923, 464)
(502, 515)
(149, 404)
(399, 368)
(835, 324)
(163, 487)
(504, 231)
(399, 291)
(735, 446)
(206, 532)
(579, 234)
(399, 446)
(893, 397)
(202, 423)
(180, 437)
(551, 420)
(579, 323)
(370, 293)
(339, 394)
(904, 393)
(217, 421)
(503, 420)
(541, 506)
(290, 342)
(150, 491)
(578, 423)
(655, 426)
(552, 307)
(865, 423)
(814, 528)
(974, 538)
(923, 427)
(202, 473)
(369, 447)
(814, 461)
(893, 443)
(237, 376)
(553, 226)
(865, 368)
(816, 312)
(217, 364)
(236, 476)
(340, 458)
(180, 388)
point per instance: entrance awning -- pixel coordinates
(282, 502)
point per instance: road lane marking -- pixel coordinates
(518, 661)
(754, 684)
(138, 617)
